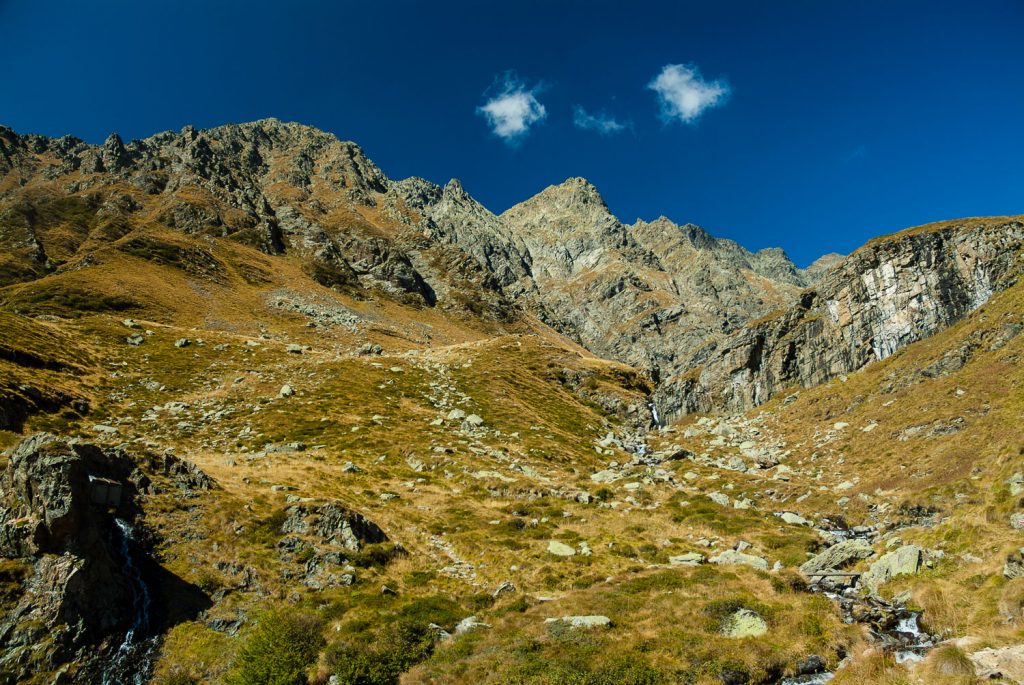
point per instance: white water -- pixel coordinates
(654, 413)
(131, 649)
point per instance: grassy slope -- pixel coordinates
(539, 437)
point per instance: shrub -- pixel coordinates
(279, 649)
(393, 651)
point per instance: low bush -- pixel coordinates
(279, 650)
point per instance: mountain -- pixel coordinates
(290, 189)
(272, 416)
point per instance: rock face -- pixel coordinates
(890, 293)
(49, 519)
(65, 513)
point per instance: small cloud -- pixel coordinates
(512, 109)
(602, 123)
(684, 95)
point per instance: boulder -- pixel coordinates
(583, 622)
(560, 549)
(606, 476)
(731, 557)
(794, 519)
(688, 559)
(332, 523)
(1014, 566)
(720, 498)
(837, 557)
(468, 624)
(1002, 663)
(903, 561)
(744, 623)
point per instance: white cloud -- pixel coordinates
(513, 109)
(684, 95)
(601, 122)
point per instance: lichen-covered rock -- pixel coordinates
(905, 560)
(837, 557)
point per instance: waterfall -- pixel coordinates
(654, 414)
(131, 661)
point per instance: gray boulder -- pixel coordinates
(903, 561)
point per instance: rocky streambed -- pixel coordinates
(894, 626)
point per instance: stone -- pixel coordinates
(1014, 566)
(131, 323)
(135, 339)
(811, 665)
(744, 623)
(286, 391)
(104, 428)
(182, 342)
(582, 622)
(1003, 663)
(1017, 520)
(606, 476)
(687, 559)
(1016, 484)
(294, 349)
(67, 512)
(456, 415)
(794, 519)
(469, 624)
(731, 557)
(560, 549)
(507, 587)
(905, 560)
(720, 498)
(473, 421)
(837, 557)
(349, 467)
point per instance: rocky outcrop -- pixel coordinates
(888, 294)
(65, 512)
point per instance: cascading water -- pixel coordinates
(654, 414)
(131, 662)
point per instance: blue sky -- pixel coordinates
(810, 126)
